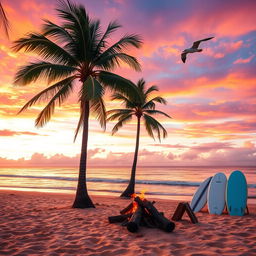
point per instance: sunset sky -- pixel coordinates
(211, 98)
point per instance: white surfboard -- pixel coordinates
(200, 197)
(216, 194)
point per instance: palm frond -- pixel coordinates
(118, 114)
(61, 35)
(91, 89)
(141, 85)
(117, 83)
(112, 26)
(114, 60)
(124, 43)
(57, 32)
(98, 108)
(159, 100)
(148, 127)
(77, 22)
(151, 89)
(45, 70)
(149, 105)
(125, 100)
(120, 123)
(95, 34)
(59, 97)
(4, 20)
(81, 119)
(152, 125)
(44, 47)
(154, 112)
(47, 93)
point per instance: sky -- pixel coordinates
(211, 98)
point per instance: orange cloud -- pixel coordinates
(229, 127)
(14, 133)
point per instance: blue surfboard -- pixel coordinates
(236, 194)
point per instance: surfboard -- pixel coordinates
(216, 199)
(236, 194)
(200, 197)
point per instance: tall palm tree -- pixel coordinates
(142, 106)
(76, 50)
(4, 20)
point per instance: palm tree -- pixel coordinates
(140, 106)
(4, 20)
(77, 50)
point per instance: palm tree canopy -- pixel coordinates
(77, 49)
(141, 105)
(4, 20)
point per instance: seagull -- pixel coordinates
(193, 49)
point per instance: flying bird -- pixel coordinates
(193, 49)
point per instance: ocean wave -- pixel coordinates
(148, 193)
(121, 181)
(96, 190)
(106, 180)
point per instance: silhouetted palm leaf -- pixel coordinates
(154, 112)
(45, 48)
(43, 70)
(155, 126)
(122, 120)
(124, 99)
(47, 93)
(117, 114)
(3, 20)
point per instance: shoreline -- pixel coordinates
(251, 200)
(42, 223)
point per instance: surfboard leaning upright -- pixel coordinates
(236, 194)
(216, 194)
(200, 197)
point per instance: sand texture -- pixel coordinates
(45, 224)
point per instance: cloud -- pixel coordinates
(169, 145)
(16, 133)
(243, 61)
(220, 156)
(214, 153)
(228, 127)
(38, 159)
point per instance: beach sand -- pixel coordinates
(45, 224)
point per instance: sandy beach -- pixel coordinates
(45, 224)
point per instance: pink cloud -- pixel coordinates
(243, 61)
(228, 127)
(219, 156)
(14, 133)
(201, 154)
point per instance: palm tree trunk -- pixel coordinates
(130, 188)
(82, 199)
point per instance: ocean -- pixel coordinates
(177, 183)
